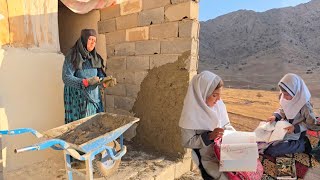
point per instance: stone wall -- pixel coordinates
(145, 39)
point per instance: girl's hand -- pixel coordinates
(271, 119)
(289, 129)
(216, 133)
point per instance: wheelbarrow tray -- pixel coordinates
(114, 125)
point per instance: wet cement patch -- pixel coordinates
(159, 105)
(83, 131)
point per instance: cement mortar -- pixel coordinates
(96, 126)
(159, 105)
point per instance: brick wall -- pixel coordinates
(146, 34)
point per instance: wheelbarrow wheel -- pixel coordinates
(105, 166)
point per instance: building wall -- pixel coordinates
(152, 49)
(31, 93)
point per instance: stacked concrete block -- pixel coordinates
(145, 34)
(131, 6)
(164, 31)
(147, 47)
(128, 21)
(161, 59)
(137, 34)
(186, 10)
(151, 16)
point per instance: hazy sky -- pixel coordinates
(210, 9)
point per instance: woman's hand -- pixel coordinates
(216, 133)
(290, 129)
(271, 119)
(93, 81)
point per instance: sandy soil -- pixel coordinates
(93, 128)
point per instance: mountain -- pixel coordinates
(247, 46)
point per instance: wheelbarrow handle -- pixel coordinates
(29, 148)
(21, 131)
(44, 145)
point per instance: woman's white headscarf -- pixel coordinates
(296, 87)
(196, 114)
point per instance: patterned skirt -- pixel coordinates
(76, 105)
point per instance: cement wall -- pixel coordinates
(144, 41)
(31, 93)
(71, 24)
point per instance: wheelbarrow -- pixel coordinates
(91, 139)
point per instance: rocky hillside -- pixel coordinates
(269, 44)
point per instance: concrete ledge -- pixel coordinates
(136, 164)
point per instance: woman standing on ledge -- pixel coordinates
(82, 71)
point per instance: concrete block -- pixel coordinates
(138, 63)
(124, 103)
(152, 16)
(181, 11)
(106, 26)
(175, 46)
(150, 4)
(148, 47)
(139, 76)
(128, 21)
(120, 76)
(189, 28)
(164, 31)
(109, 101)
(125, 49)
(192, 63)
(131, 6)
(132, 90)
(137, 34)
(191, 74)
(135, 77)
(181, 1)
(116, 37)
(161, 59)
(182, 167)
(117, 64)
(167, 173)
(110, 51)
(118, 90)
(110, 12)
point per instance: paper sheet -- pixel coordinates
(264, 131)
(239, 151)
(279, 132)
(235, 137)
(267, 132)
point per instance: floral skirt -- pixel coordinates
(76, 105)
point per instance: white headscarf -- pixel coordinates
(296, 87)
(196, 114)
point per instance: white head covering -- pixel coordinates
(296, 87)
(196, 114)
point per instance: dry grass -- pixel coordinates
(247, 108)
(257, 104)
